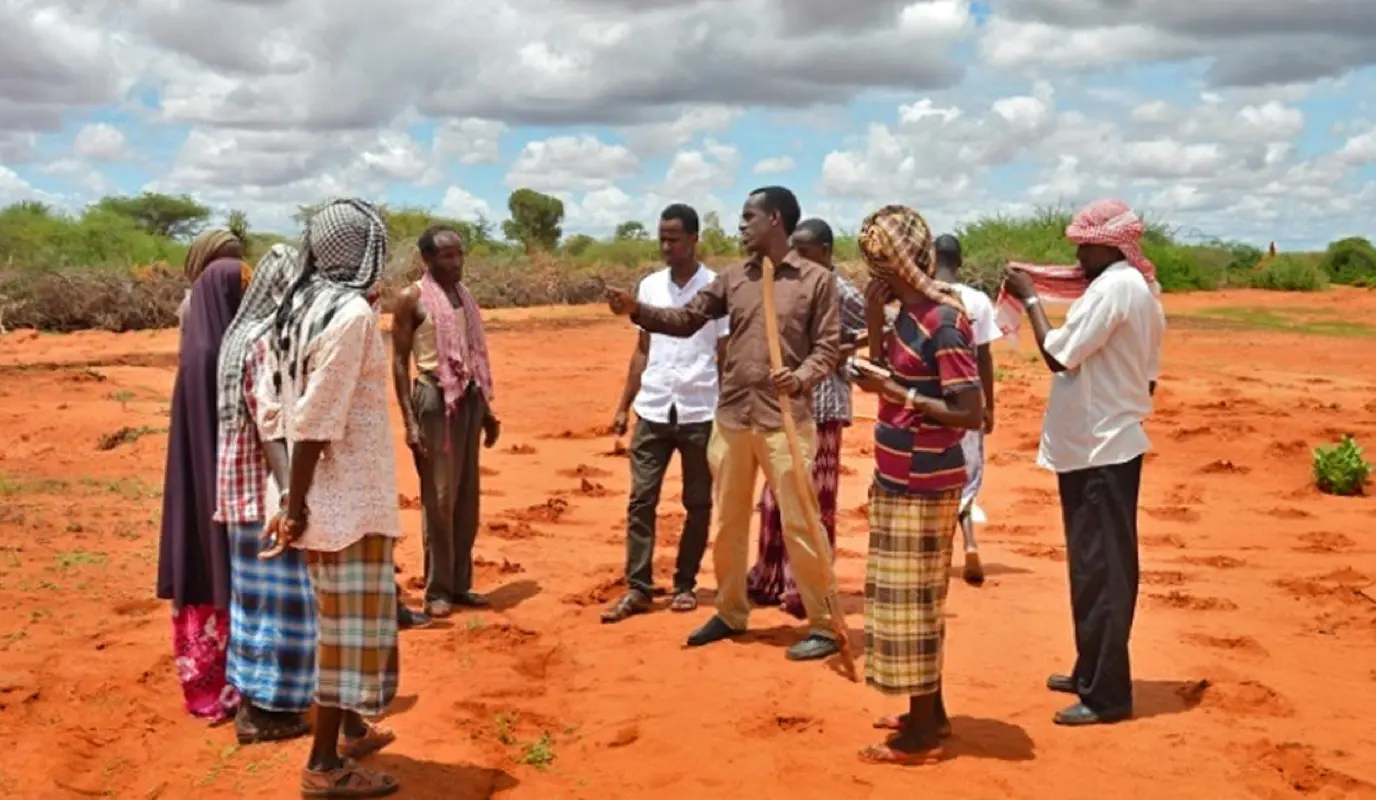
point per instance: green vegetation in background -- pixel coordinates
(117, 265)
(1314, 321)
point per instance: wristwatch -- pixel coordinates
(910, 400)
(1031, 301)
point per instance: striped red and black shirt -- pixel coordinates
(930, 351)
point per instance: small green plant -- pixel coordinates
(540, 753)
(1341, 470)
(126, 435)
(123, 398)
(505, 721)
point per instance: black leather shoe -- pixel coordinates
(813, 648)
(1062, 683)
(715, 630)
(1081, 714)
(408, 619)
(472, 600)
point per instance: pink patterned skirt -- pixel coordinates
(771, 579)
(200, 637)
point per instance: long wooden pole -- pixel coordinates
(803, 480)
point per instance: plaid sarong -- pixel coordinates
(357, 661)
(905, 589)
(271, 624)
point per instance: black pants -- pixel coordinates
(652, 445)
(1099, 506)
(449, 485)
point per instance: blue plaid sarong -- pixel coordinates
(272, 624)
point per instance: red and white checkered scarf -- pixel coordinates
(1106, 222)
(461, 351)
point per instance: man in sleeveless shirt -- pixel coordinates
(447, 413)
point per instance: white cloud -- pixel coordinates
(570, 163)
(100, 142)
(771, 166)
(470, 141)
(460, 204)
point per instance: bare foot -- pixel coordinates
(896, 723)
(974, 571)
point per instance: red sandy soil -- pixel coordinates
(1255, 644)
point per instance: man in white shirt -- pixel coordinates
(673, 385)
(1105, 359)
(986, 331)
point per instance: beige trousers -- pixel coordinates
(736, 456)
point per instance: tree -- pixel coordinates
(578, 244)
(177, 216)
(631, 231)
(237, 222)
(1351, 261)
(714, 240)
(536, 220)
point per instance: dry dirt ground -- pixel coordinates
(1255, 645)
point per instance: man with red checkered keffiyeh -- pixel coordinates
(1105, 359)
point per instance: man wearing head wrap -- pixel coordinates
(205, 250)
(329, 372)
(1105, 360)
(749, 431)
(927, 403)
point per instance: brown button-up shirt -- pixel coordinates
(809, 336)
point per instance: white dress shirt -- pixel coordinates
(1110, 346)
(679, 373)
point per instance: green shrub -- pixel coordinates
(1341, 469)
(1350, 261)
(1289, 272)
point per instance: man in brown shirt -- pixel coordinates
(749, 432)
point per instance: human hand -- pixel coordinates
(869, 382)
(279, 534)
(415, 440)
(1019, 284)
(988, 420)
(621, 302)
(620, 422)
(492, 430)
(786, 382)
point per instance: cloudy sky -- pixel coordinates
(1248, 119)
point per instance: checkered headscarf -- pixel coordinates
(897, 243)
(344, 251)
(274, 275)
(1112, 223)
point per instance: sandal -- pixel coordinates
(631, 603)
(684, 602)
(885, 754)
(255, 726)
(895, 723)
(377, 737)
(349, 780)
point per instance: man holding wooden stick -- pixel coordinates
(749, 433)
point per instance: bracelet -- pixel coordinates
(1031, 301)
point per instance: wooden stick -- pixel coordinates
(803, 479)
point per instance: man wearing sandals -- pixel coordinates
(673, 384)
(329, 370)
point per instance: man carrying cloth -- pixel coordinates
(1105, 359)
(749, 431)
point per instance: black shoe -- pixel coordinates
(408, 619)
(813, 648)
(472, 600)
(1081, 714)
(1062, 683)
(715, 630)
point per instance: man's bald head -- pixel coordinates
(948, 258)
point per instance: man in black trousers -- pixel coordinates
(1105, 359)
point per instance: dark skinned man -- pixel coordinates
(749, 435)
(673, 383)
(1105, 360)
(447, 413)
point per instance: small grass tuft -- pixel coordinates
(1341, 470)
(540, 753)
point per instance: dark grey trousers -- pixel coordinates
(1099, 506)
(449, 488)
(652, 445)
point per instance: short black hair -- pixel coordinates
(426, 242)
(684, 214)
(817, 229)
(777, 199)
(947, 250)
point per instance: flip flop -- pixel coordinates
(895, 723)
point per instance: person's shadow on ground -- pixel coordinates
(428, 779)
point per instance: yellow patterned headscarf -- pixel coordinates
(897, 243)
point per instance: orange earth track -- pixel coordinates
(1255, 653)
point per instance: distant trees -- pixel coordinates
(174, 216)
(536, 220)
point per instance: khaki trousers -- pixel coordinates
(736, 456)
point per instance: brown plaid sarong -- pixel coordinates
(357, 662)
(897, 243)
(905, 589)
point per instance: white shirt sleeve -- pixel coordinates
(1088, 326)
(986, 329)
